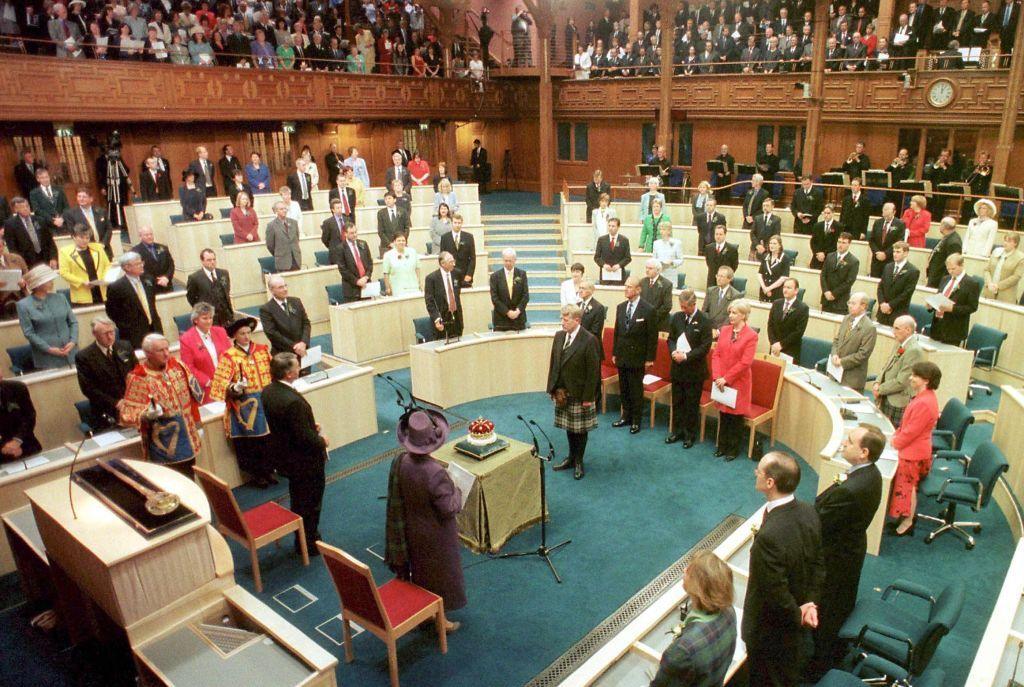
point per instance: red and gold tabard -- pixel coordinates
(174, 436)
(244, 416)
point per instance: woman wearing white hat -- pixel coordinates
(47, 321)
(982, 229)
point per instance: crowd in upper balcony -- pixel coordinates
(377, 36)
(774, 36)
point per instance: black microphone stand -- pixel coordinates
(544, 551)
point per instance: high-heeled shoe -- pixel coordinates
(909, 532)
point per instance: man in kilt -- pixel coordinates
(892, 388)
(574, 375)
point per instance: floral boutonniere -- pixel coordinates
(754, 529)
(840, 478)
(517, 280)
(900, 350)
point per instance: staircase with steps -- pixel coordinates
(537, 240)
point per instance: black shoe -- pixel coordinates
(564, 465)
(730, 458)
(688, 443)
(634, 429)
(620, 423)
(719, 453)
(578, 472)
(909, 532)
(313, 551)
(672, 438)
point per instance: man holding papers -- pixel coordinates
(853, 344)
(954, 304)
(730, 368)
(636, 342)
(612, 254)
(689, 340)
(787, 321)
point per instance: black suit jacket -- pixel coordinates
(18, 417)
(896, 291)
(351, 194)
(102, 379)
(403, 176)
(160, 266)
(636, 340)
(388, 230)
(350, 291)
(154, 189)
(604, 255)
(201, 181)
(465, 254)
(19, 242)
(698, 333)
(227, 168)
(199, 288)
(897, 232)
(706, 229)
(297, 446)
(594, 315)
(786, 571)
(806, 203)
(305, 204)
(124, 309)
(45, 209)
(576, 369)
(503, 301)
(437, 301)
(952, 327)
(752, 202)
(855, 215)
(103, 232)
(761, 230)
(788, 330)
(824, 241)
(838, 279)
(660, 298)
(333, 236)
(25, 178)
(594, 195)
(730, 256)
(845, 511)
(946, 246)
(285, 330)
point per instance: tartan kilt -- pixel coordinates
(575, 417)
(894, 414)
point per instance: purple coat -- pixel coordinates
(430, 502)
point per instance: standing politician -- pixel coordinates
(574, 373)
(731, 362)
(635, 345)
(689, 366)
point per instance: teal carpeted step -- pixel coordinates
(544, 281)
(530, 265)
(542, 297)
(543, 316)
(516, 241)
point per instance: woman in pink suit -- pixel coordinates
(917, 220)
(244, 221)
(202, 345)
(731, 361)
(913, 441)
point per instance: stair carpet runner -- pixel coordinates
(537, 240)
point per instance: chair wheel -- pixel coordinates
(977, 529)
(929, 539)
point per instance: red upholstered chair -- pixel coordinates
(659, 390)
(254, 528)
(767, 374)
(389, 611)
(609, 373)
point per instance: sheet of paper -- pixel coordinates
(35, 461)
(834, 371)
(683, 344)
(10, 279)
(215, 407)
(651, 379)
(312, 357)
(371, 290)
(937, 300)
(861, 407)
(788, 358)
(109, 439)
(607, 275)
(462, 478)
(727, 396)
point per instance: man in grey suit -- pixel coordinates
(854, 342)
(283, 240)
(717, 299)
(892, 388)
(66, 34)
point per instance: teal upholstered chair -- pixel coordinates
(900, 632)
(681, 280)
(740, 284)
(792, 254)
(334, 296)
(424, 329)
(985, 342)
(814, 352)
(800, 294)
(949, 431)
(923, 316)
(267, 265)
(21, 359)
(227, 239)
(323, 258)
(951, 484)
(84, 410)
(183, 323)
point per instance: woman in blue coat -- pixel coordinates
(47, 321)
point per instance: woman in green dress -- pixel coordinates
(652, 226)
(400, 269)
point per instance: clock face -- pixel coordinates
(941, 93)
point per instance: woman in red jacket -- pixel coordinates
(913, 441)
(917, 220)
(244, 220)
(202, 345)
(731, 361)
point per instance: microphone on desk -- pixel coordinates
(71, 474)
(551, 446)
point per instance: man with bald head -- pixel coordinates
(634, 348)
(892, 388)
(156, 259)
(854, 342)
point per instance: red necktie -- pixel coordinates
(452, 305)
(359, 260)
(949, 287)
(613, 243)
(345, 210)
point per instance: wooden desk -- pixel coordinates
(422, 213)
(158, 215)
(365, 331)
(347, 386)
(480, 366)
(1008, 435)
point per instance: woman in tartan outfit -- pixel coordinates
(574, 374)
(242, 372)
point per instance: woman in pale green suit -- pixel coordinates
(652, 226)
(47, 321)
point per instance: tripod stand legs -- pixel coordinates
(545, 553)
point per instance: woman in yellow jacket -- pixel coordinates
(83, 265)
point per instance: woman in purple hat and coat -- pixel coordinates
(422, 535)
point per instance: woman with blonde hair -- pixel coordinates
(917, 220)
(701, 197)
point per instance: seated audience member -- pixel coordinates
(83, 265)
(952, 321)
(28, 237)
(102, 368)
(1004, 270)
(131, 301)
(202, 346)
(10, 298)
(244, 222)
(719, 297)
(719, 254)
(49, 202)
(896, 287)
(446, 195)
(400, 268)
(892, 388)
(47, 321)
(824, 237)
(391, 221)
(17, 422)
(192, 197)
(355, 264)
(612, 254)
(284, 320)
(787, 321)
(702, 651)
(257, 174)
(510, 293)
(157, 260)
(211, 284)
(838, 275)
(84, 212)
(462, 246)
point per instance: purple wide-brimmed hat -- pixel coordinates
(422, 431)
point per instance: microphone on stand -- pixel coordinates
(400, 400)
(551, 446)
(536, 447)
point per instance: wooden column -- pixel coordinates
(1008, 124)
(546, 124)
(636, 21)
(665, 101)
(820, 33)
(883, 23)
